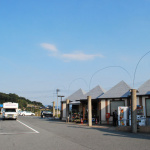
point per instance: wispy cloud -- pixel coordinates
(49, 47)
(80, 56)
(76, 56)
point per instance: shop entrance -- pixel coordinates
(75, 113)
(95, 111)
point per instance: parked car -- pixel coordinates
(19, 112)
(27, 113)
(46, 114)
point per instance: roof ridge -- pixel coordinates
(119, 90)
(144, 84)
(144, 89)
(78, 93)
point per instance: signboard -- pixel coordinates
(10, 105)
(1, 105)
(122, 115)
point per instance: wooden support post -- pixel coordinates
(89, 111)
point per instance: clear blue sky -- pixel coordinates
(50, 44)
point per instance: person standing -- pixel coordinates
(42, 114)
(115, 118)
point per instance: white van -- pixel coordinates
(10, 110)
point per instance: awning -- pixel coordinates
(74, 103)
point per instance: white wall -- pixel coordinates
(108, 103)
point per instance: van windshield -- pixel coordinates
(10, 110)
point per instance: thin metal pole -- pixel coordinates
(57, 90)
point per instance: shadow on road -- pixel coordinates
(108, 130)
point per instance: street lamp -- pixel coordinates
(57, 90)
(61, 103)
(137, 66)
(107, 68)
(75, 80)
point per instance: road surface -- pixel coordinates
(34, 133)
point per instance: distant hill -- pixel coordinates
(23, 102)
(51, 107)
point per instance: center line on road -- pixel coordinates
(28, 126)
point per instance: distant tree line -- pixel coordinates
(17, 99)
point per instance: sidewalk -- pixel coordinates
(141, 129)
(109, 127)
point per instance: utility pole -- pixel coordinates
(57, 90)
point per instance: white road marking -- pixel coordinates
(28, 126)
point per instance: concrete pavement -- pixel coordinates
(57, 135)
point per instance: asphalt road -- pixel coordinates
(33, 133)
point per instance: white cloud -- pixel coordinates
(77, 56)
(49, 47)
(80, 56)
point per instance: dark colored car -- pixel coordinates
(46, 114)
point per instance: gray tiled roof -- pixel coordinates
(120, 90)
(95, 92)
(76, 95)
(144, 89)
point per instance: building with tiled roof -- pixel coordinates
(143, 97)
(72, 101)
(109, 101)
